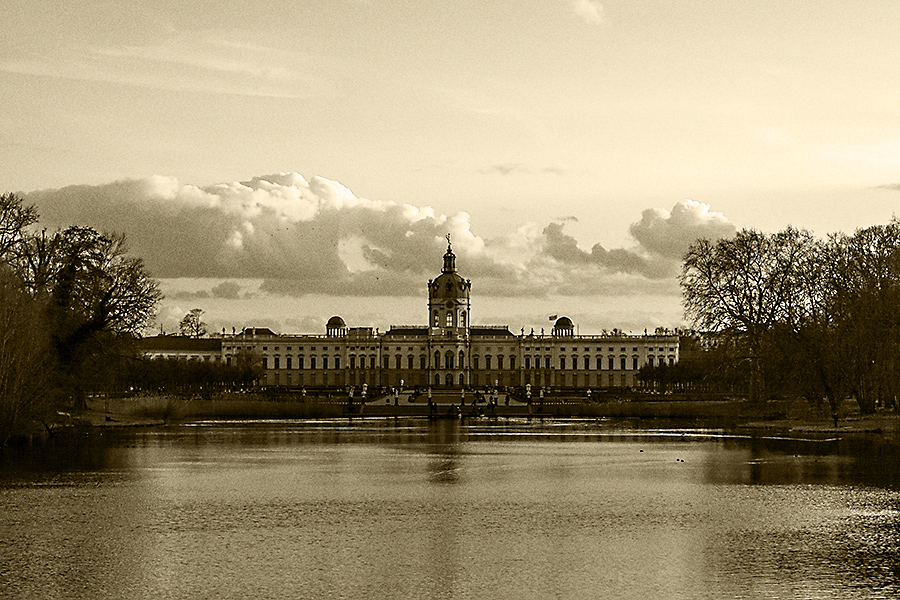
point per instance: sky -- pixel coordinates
(277, 163)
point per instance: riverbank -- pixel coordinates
(781, 417)
(773, 418)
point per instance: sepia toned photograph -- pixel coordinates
(408, 299)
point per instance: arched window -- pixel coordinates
(449, 318)
(462, 319)
(449, 379)
(436, 319)
(461, 381)
(449, 359)
(462, 361)
(437, 379)
(437, 359)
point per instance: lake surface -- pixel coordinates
(411, 509)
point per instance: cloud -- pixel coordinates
(563, 249)
(670, 233)
(278, 227)
(505, 169)
(228, 290)
(591, 11)
(663, 237)
(183, 62)
(297, 237)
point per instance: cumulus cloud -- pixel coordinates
(278, 227)
(564, 250)
(298, 237)
(662, 239)
(670, 233)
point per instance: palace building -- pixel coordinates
(450, 352)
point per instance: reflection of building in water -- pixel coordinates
(451, 352)
(443, 446)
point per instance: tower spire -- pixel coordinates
(449, 259)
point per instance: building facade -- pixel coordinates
(450, 352)
(179, 347)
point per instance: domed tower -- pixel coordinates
(336, 327)
(564, 327)
(448, 299)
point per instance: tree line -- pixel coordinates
(791, 314)
(173, 376)
(70, 302)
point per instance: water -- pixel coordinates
(378, 509)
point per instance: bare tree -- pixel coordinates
(742, 287)
(79, 287)
(192, 325)
(866, 297)
(14, 219)
(24, 356)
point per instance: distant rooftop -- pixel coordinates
(493, 330)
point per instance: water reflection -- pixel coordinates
(443, 445)
(411, 509)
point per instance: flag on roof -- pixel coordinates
(553, 317)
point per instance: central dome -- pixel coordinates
(448, 298)
(564, 323)
(449, 285)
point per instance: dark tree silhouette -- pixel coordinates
(192, 324)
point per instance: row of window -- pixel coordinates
(301, 363)
(448, 362)
(611, 362)
(338, 349)
(446, 379)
